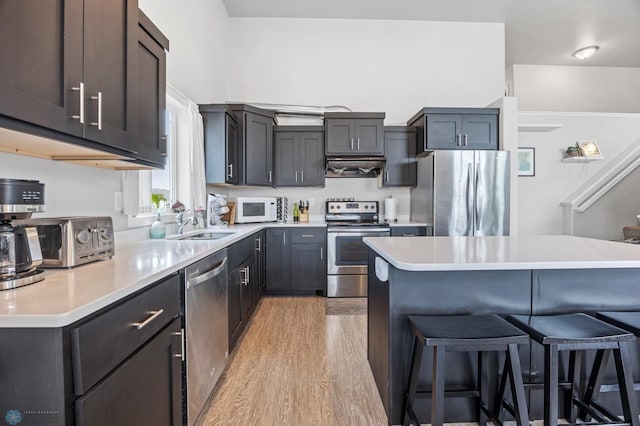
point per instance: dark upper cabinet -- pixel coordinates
(74, 70)
(455, 128)
(255, 144)
(400, 152)
(221, 144)
(150, 136)
(238, 144)
(41, 70)
(350, 133)
(299, 156)
(296, 260)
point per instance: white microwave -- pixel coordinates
(256, 209)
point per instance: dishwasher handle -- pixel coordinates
(217, 270)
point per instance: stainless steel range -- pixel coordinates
(348, 222)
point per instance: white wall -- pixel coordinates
(540, 196)
(197, 32)
(567, 88)
(69, 189)
(396, 67)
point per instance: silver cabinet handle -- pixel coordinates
(230, 170)
(351, 144)
(458, 143)
(143, 324)
(296, 176)
(245, 270)
(248, 277)
(270, 176)
(465, 139)
(284, 238)
(302, 176)
(181, 334)
(259, 244)
(163, 146)
(215, 271)
(321, 253)
(99, 122)
(308, 235)
(80, 89)
(358, 146)
(386, 173)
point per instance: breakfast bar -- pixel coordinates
(531, 275)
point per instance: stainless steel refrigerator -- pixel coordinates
(463, 193)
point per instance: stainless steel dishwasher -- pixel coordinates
(207, 331)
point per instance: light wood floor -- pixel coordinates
(296, 365)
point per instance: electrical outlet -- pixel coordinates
(117, 201)
(312, 203)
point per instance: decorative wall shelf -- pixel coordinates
(538, 127)
(582, 159)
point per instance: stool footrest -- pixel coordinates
(616, 388)
(452, 393)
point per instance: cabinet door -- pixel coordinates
(234, 304)
(41, 61)
(110, 39)
(152, 378)
(150, 139)
(308, 267)
(258, 138)
(369, 137)
(248, 290)
(233, 170)
(444, 131)
(286, 158)
(480, 131)
(340, 137)
(278, 260)
(311, 159)
(400, 151)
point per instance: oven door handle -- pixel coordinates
(358, 230)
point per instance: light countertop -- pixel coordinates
(67, 295)
(504, 253)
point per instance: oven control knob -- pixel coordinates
(366, 207)
(375, 217)
(338, 207)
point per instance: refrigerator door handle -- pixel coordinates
(476, 218)
(470, 223)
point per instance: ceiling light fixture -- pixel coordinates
(585, 52)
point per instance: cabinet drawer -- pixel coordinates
(408, 231)
(308, 235)
(240, 251)
(99, 345)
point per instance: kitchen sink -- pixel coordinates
(207, 235)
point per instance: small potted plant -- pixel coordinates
(573, 151)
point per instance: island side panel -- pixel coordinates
(448, 293)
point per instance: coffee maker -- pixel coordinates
(20, 253)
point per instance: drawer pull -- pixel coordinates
(154, 315)
(308, 235)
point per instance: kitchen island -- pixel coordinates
(503, 275)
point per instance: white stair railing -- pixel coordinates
(603, 181)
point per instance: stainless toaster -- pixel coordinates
(71, 241)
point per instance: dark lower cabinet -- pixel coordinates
(244, 277)
(296, 260)
(408, 231)
(400, 169)
(259, 275)
(146, 389)
(119, 366)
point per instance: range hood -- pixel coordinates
(354, 166)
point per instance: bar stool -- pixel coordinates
(467, 333)
(576, 333)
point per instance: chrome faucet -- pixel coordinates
(182, 222)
